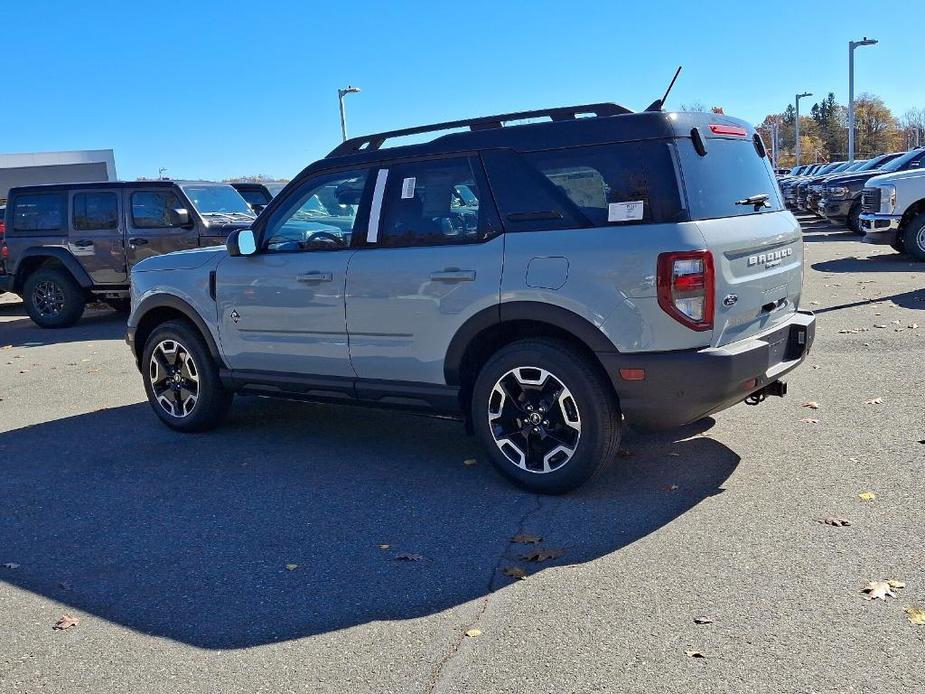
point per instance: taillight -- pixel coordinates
(685, 287)
(718, 129)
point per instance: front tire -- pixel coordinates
(546, 414)
(913, 237)
(53, 299)
(181, 379)
(854, 218)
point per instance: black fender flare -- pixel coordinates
(157, 301)
(536, 311)
(62, 255)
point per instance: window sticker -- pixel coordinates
(407, 188)
(624, 211)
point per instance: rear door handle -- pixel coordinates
(316, 277)
(82, 243)
(453, 275)
(138, 241)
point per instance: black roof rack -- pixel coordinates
(367, 143)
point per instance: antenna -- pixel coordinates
(659, 103)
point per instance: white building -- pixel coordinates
(83, 166)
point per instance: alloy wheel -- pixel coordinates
(48, 298)
(174, 378)
(534, 419)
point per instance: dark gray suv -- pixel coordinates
(545, 281)
(65, 245)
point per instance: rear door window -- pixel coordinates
(40, 212)
(95, 211)
(730, 171)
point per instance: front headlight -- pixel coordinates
(838, 192)
(887, 199)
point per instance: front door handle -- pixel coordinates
(316, 277)
(137, 241)
(82, 243)
(453, 274)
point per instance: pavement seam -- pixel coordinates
(440, 666)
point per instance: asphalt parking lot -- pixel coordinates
(261, 557)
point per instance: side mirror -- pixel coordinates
(178, 217)
(241, 242)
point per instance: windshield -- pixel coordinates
(899, 163)
(876, 162)
(855, 166)
(213, 200)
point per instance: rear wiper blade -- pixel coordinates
(756, 201)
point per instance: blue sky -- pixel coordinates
(214, 89)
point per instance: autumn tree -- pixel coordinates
(876, 130)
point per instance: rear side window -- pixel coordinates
(150, 209)
(730, 171)
(95, 211)
(433, 203)
(254, 196)
(601, 185)
(40, 212)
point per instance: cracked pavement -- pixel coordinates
(173, 550)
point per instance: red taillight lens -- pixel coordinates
(718, 129)
(686, 287)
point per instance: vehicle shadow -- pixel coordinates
(886, 262)
(96, 324)
(188, 537)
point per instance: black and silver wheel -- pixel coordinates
(546, 414)
(52, 298)
(913, 237)
(181, 379)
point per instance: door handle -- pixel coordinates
(82, 243)
(453, 275)
(316, 277)
(137, 241)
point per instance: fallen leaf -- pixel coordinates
(291, 567)
(472, 633)
(874, 401)
(385, 546)
(915, 615)
(514, 572)
(704, 619)
(470, 461)
(672, 488)
(694, 654)
(833, 520)
(896, 584)
(542, 555)
(527, 539)
(809, 420)
(11, 565)
(867, 496)
(812, 404)
(408, 557)
(913, 326)
(66, 621)
(878, 590)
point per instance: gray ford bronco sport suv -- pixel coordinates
(65, 245)
(545, 282)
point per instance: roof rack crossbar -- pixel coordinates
(373, 142)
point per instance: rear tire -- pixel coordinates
(546, 415)
(53, 298)
(181, 379)
(854, 218)
(913, 237)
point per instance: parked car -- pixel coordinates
(66, 245)
(801, 197)
(258, 195)
(788, 186)
(588, 287)
(894, 211)
(840, 198)
(815, 187)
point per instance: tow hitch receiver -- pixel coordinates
(775, 388)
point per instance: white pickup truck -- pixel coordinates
(893, 211)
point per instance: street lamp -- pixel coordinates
(851, 46)
(796, 128)
(343, 118)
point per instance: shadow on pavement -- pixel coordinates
(887, 262)
(188, 536)
(96, 324)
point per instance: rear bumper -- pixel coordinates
(682, 387)
(880, 229)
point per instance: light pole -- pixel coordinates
(796, 124)
(340, 98)
(851, 46)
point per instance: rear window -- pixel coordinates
(600, 185)
(40, 212)
(730, 171)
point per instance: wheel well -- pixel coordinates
(153, 318)
(32, 263)
(913, 209)
(493, 338)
